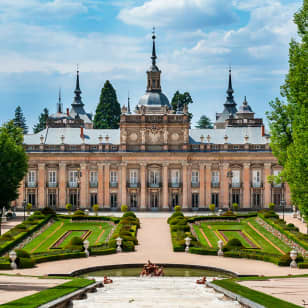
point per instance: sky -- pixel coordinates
(42, 41)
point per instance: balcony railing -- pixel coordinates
(133, 185)
(256, 185)
(52, 184)
(195, 184)
(154, 185)
(93, 184)
(215, 184)
(236, 185)
(113, 184)
(175, 184)
(72, 184)
(31, 184)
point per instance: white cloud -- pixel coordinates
(179, 13)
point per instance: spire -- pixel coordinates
(154, 57)
(128, 104)
(59, 104)
(77, 99)
(230, 90)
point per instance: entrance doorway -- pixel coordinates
(154, 200)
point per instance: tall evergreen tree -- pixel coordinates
(204, 122)
(108, 110)
(20, 120)
(41, 121)
(289, 120)
(181, 99)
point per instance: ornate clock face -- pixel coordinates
(175, 136)
(133, 137)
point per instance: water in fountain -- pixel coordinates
(167, 292)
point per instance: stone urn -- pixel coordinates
(293, 255)
(220, 243)
(119, 243)
(187, 243)
(86, 245)
(13, 257)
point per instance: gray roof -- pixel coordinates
(235, 135)
(52, 136)
(154, 99)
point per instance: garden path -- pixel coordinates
(297, 222)
(155, 244)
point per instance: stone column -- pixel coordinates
(62, 184)
(185, 186)
(208, 184)
(41, 182)
(267, 185)
(202, 187)
(189, 169)
(123, 183)
(165, 187)
(246, 185)
(106, 185)
(143, 189)
(224, 181)
(84, 185)
(100, 185)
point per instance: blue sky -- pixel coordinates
(43, 40)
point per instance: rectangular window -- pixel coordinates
(195, 200)
(32, 176)
(154, 200)
(52, 177)
(256, 199)
(174, 199)
(133, 176)
(175, 176)
(215, 199)
(52, 199)
(113, 201)
(93, 198)
(195, 177)
(113, 177)
(133, 200)
(215, 177)
(73, 176)
(256, 178)
(154, 177)
(236, 178)
(277, 198)
(32, 198)
(93, 177)
(236, 197)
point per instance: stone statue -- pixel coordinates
(166, 133)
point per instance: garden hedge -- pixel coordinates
(203, 251)
(55, 257)
(216, 217)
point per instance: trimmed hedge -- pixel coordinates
(203, 251)
(55, 257)
(302, 265)
(252, 255)
(100, 252)
(233, 217)
(85, 218)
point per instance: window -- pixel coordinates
(175, 176)
(215, 177)
(93, 198)
(215, 199)
(256, 178)
(93, 177)
(73, 176)
(52, 177)
(154, 177)
(133, 200)
(133, 176)
(236, 178)
(113, 177)
(277, 198)
(52, 199)
(236, 197)
(154, 200)
(174, 199)
(195, 200)
(256, 199)
(113, 201)
(74, 198)
(32, 177)
(32, 198)
(195, 177)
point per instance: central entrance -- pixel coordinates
(154, 200)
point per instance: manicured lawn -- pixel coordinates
(244, 231)
(98, 234)
(50, 294)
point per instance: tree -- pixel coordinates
(20, 120)
(69, 208)
(13, 165)
(204, 122)
(212, 208)
(41, 121)
(289, 120)
(181, 100)
(124, 208)
(95, 209)
(108, 110)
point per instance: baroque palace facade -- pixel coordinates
(154, 161)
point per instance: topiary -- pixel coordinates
(228, 213)
(21, 253)
(129, 214)
(233, 244)
(177, 209)
(128, 246)
(76, 243)
(174, 215)
(124, 208)
(79, 213)
(271, 206)
(48, 211)
(7, 237)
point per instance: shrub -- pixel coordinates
(29, 207)
(233, 244)
(25, 262)
(177, 209)
(79, 213)
(22, 227)
(124, 208)
(95, 209)
(54, 257)
(129, 214)
(21, 253)
(128, 246)
(112, 243)
(75, 243)
(7, 237)
(285, 260)
(228, 213)
(271, 206)
(69, 207)
(235, 206)
(212, 207)
(48, 211)
(106, 251)
(203, 251)
(174, 215)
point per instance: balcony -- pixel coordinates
(195, 184)
(257, 185)
(215, 184)
(72, 184)
(133, 185)
(113, 184)
(236, 185)
(175, 184)
(93, 184)
(52, 184)
(154, 185)
(31, 184)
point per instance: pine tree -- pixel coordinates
(181, 99)
(19, 120)
(108, 110)
(41, 121)
(289, 120)
(204, 122)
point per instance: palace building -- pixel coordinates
(154, 161)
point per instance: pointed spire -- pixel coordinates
(154, 57)
(245, 103)
(77, 99)
(128, 104)
(230, 90)
(59, 104)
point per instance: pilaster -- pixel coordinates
(267, 186)
(185, 184)
(100, 185)
(84, 185)
(202, 188)
(41, 182)
(143, 186)
(224, 180)
(165, 186)
(246, 185)
(208, 181)
(123, 183)
(62, 184)
(106, 185)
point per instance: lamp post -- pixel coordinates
(230, 176)
(24, 205)
(282, 203)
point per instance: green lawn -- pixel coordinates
(213, 231)
(49, 237)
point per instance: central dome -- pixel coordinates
(154, 99)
